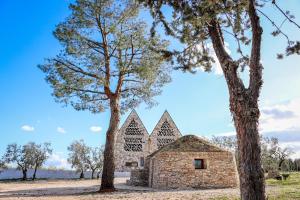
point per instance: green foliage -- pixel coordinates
(95, 158)
(189, 24)
(38, 153)
(30, 155)
(272, 155)
(78, 152)
(83, 157)
(106, 54)
(285, 189)
(278, 190)
(20, 155)
(2, 166)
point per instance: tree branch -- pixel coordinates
(86, 90)
(255, 66)
(287, 17)
(76, 69)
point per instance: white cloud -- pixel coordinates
(281, 120)
(61, 130)
(57, 160)
(27, 128)
(229, 133)
(281, 117)
(294, 146)
(95, 129)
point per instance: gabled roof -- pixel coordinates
(165, 116)
(133, 115)
(189, 143)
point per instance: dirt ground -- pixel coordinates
(87, 190)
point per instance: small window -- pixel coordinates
(142, 161)
(131, 164)
(199, 164)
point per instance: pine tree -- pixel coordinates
(108, 62)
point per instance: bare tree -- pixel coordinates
(78, 153)
(196, 24)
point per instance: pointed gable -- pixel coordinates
(133, 133)
(165, 132)
(131, 143)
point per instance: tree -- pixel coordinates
(94, 160)
(227, 142)
(108, 62)
(78, 152)
(277, 153)
(2, 166)
(196, 24)
(38, 155)
(19, 155)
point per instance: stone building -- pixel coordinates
(189, 162)
(133, 143)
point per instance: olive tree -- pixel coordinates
(108, 62)
(38, 155)
(78, 153)
(19, 155)
(94, 160)
(276, 153)
(2, 166)
(196, 24)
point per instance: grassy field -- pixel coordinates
(285, 190)
(279, 190)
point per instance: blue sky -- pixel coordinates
(198, 103)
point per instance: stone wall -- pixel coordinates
(171, 170)
(139, 177)
(165, 132)
(131, 145)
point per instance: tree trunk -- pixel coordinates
(280, 164)
(244, 108)
(81, 174)
(24, 171)
(245, 115)
(34, 173)
(93, 171)
(107, 180)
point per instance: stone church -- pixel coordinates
(133, 143)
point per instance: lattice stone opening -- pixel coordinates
(166, 130)
(165, 135)
(133, 129)
(133, 137)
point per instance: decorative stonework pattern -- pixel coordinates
(165, 132)
(133, 137)
(131, 145)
